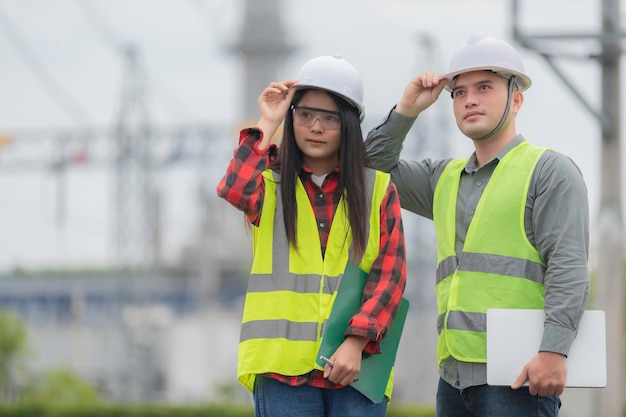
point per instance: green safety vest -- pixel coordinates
(290, 293)
(498, 267)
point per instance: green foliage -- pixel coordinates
(60, 387)
(216, 410)
(119, 410)
(13, 337)
(408, 410)
(62, 273)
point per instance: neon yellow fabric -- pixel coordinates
(275, 259)
(496, 230)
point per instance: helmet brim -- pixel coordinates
(523, 80)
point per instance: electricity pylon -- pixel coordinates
(611, 251)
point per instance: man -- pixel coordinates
(512, 230)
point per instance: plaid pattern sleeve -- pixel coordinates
(387, 280)
(243, 185)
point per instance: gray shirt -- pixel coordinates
(556, 221)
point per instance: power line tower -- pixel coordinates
(136, 210)
(611, 252)
(264, 49)
(429, 139)
(136, 202)
(432, 127)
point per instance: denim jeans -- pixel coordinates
(493, 401)
(275, 399)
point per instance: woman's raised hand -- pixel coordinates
(275, 100)
(273, 104)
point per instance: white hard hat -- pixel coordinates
(335, 74)
(485, 52)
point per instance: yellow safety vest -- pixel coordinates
(290, 293)
(498, 268)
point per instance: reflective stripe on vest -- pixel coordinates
(290, 292)
(498, 268)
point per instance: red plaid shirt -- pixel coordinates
(244, 188)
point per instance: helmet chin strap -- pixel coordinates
(504, 116)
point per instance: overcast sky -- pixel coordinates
(61, 68)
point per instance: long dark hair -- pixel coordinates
(352, 161)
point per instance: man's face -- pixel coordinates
(479, 101)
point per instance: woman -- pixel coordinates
(314, 206)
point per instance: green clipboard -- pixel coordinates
(375, 369)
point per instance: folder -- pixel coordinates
(375, 368)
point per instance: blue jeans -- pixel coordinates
(272, 398)
(493, 401)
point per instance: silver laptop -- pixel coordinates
(514, 335)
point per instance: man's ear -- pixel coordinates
(517, 102)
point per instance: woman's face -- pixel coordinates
(317, 129)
